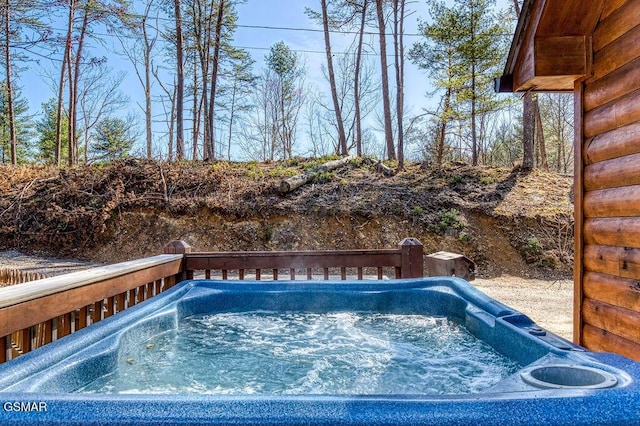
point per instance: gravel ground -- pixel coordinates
(46, 265)
(548, 303)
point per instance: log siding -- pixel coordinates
(608, 255)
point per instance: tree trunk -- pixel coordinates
(380, 167)
(65, 64)
(7, 59)
(231, 117)
(542, 147)
(356, 80)
(283, 118)
(202, 38)
(528, 118)
(147, 87)
(73, 91)
(342, 138)
(295, 182)
(173, 122)
(179, 103)
(386, 102)
(528, 130)
(443, 126)
(70, 111)
(398, 48)
(214, 79)
(194, 111)
(474, 136)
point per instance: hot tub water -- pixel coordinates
(291, 353)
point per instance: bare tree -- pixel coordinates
(235, 93)
(9, 82)
(63, 69)
(357, 75)
(398, 50)
(99, 97)
(214, 76)
(179, 96)
(169, 110)
(261, 141)
(80, 18)
(386, 100)
(556, 112)
(201, 15)
(139, 52)
(325, 18)
(367, 99)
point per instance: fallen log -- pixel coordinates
(387, 171)
(295, 182)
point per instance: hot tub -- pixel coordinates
(343, 353)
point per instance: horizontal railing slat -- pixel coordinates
(19, 315)
(27, 291)
(288, 260)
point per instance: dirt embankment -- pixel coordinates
(508, 221)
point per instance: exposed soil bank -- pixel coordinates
(507, 221)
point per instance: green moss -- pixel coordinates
(253, 170)
(323, 177)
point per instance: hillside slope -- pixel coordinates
(506, 220)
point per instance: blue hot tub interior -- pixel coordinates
(555, 381)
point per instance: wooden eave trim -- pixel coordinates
(525, 56)
(555, 64)
(518, 38)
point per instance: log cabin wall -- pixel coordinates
(608, 186)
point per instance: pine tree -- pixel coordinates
(113, 139)
(288, 69)
(46, 128)
(22, 127)
(463, 52)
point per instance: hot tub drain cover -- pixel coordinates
(566, 376)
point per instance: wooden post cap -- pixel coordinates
(410, 242)
(177, 247)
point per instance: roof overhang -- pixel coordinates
(551, 48)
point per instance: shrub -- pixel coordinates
(465, 237)
(253, 170)
(486, 180)
(534, 246)
(449, 219)
(268, 234)
(456, 180)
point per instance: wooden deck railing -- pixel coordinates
(11, 276)
(35, 313)
(404, 262)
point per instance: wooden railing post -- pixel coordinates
(179, 247)
(412, 250)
